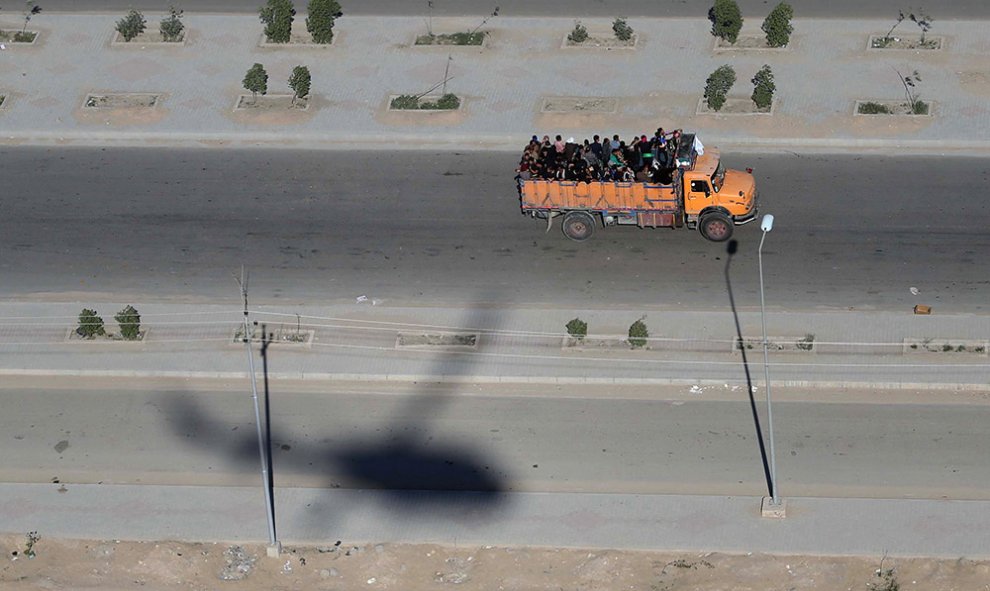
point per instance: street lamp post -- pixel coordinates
(775, 507)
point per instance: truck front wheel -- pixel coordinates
(579, 225)
(715, 226)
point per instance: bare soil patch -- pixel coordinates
(748, 42)
(122, 109)
(603, 41)
(121, 101)
(299, 37)
(735, 106)
(805, 344)
(568, 104)
(274, 335)
(946, 346)
(441, 341)
(61, 565)
(270, 102)
(148, 37)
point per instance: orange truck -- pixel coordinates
(701, 194)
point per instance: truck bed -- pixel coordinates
(607, 197)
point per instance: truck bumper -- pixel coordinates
(752, 215)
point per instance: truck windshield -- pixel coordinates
(718, 177)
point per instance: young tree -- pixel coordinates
(256, 81)
(577, 329)
(299, 82)
(277, 16)
(485, 20)
(579, 34)
(131, 25)
(171, 26)
(638, 333)
(130, 323)
(31, 8)
(763, 88)
(917, 106)
(777, 25)
(90, 324)
(623, 32)
(319, 23)
(726, 20)
(717, 86)
(923, 21)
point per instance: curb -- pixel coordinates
(462, 379)
(466, 142)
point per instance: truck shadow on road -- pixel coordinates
(730, 250)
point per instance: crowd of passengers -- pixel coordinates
(643, 159)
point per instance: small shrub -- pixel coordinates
(2, 99)
(24, 36)
(888, 581)
(717, 86)
(577, 328)
(726, 20)
(90, 324)
(130, 323)
(777, 25)
(299, 82)
(623, 32)
(405, 102)
(256, 80)
(31, 8)
(322, 15)
(638, 333)
(807, 343)
(277, 17)
(131, 25)
(763, 88)
(919, 107)
(171, 26)
(872, 108)
(32, 539)
(924, 23)
(579, 34)
(448, 101)
(466, 38)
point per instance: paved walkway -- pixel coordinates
(826, 68)
(854, 527)
(365, 340)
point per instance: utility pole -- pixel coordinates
(274, 547)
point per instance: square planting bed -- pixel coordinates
(573, 104)
(122, 100)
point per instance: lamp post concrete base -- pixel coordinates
(771, 510)
(274, 550)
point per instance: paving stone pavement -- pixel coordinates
(819, 76)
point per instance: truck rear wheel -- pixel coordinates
(579, 225)
(715, 226)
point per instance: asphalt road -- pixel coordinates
(654, 441)
(954, 9)
(444, 228)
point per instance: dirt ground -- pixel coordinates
(111, 566)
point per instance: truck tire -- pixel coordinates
(578, 225)
(715, 226)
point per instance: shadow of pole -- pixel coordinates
(265, 342)
(730, 250)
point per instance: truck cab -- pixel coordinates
(716, 198)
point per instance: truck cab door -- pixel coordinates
(698, 196)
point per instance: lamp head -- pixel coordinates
(767, 224)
